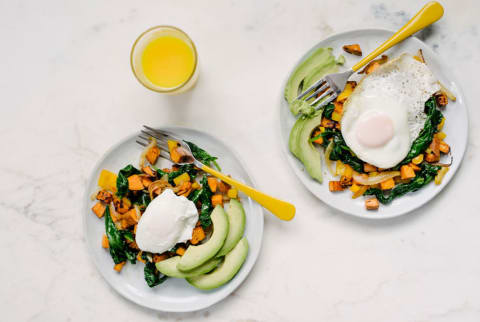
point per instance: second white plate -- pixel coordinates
(456, 125)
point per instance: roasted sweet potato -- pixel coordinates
(407, 172)
(105, 241)
(374, 64)
(435, 147)
(353, 49)
(212, 184)
(180, 251)
(135, 182)
(327, 123)
(146, 181)
(335, 186)
(444, 147)
(158, 258)
(372, 204)
(387, 184)
(217, 200)
(198, 235)
(152, 154)
(430, 157)
(223, 187)
(105, 196)
(119, 266)
(99, 209)
(346, 181)
(122, 205)
(148, 171)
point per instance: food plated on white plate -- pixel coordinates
(172, 219)
(384, 132)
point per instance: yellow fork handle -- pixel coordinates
(430, 13)
(281, 209)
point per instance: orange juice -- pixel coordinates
(164, 59)
(168, 61)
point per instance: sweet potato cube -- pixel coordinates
(180, 251)
(105, 241)
(217, 200)
(212, 184)
(353, 49)
(407, 172)
(135, 182)
(223, 187)
(99, 209)
(119, 266)
(104, 196)
(152, 154)
(414, 166)
(431, 157)
(387, 184)
(198, 235)
(158, 258)
(444, 147)
(372, 204)
(335, 186)
(148, 171)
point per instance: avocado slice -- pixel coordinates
(169, 267)
(292, 140)
(236, 226)
(304, 149)
(197, 255)
(321, 57)
(226, 271)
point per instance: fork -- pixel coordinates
(328, 88)
(280, 208)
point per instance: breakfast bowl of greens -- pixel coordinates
(166, 236)
(392, 138)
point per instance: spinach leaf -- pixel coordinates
(202, 155)
(327, 135)
(425, 137)
(131, 254)
(423, 177)
(119, 250)
(128, 235)
(328, 111)
(122, 179)
(116, 241)
(343, 153)
(195, 195)
(160, 172)
(206, 201)
(152, 275)
(204, 197)
(142, 199)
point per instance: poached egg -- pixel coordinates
(385, 112)
(169, 219)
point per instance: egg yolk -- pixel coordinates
(374, 130)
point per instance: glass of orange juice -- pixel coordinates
(164, 59)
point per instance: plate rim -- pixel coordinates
(86, 211)
(291, 160)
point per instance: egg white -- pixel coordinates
(399, 89)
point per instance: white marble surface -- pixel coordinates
(68, 94)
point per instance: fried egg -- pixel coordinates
(385, 112)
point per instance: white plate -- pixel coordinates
(174, 295)
(456, 125)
